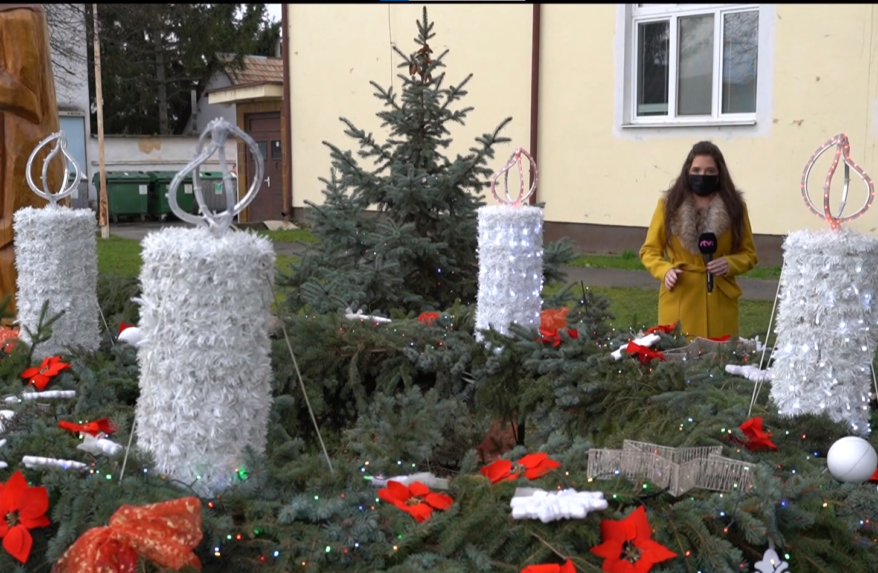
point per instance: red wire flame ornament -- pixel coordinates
(515, 160)
(843, 153)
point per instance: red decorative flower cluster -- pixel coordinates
(628, 546)
(666, 328)
(41, 375)
(22, 508)
(757, 439)
(532, 466)
(102, 426)
(428, 318)
(551, 321)
(567, 567)
(417, 500)
(644, 354)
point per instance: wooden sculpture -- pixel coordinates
(28, 113)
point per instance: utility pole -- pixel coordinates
(99, 99)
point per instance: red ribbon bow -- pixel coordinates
(428, 318)
(104, 425)
(666, 328)
(163, 533)
(721, 338)
(757, 439)
(551, 321)
(646, 355)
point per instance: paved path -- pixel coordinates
(754, 289)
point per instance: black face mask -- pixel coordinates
(703, 185)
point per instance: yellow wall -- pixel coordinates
(823, 79)
(336, 50)
(593, 171)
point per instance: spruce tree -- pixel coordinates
(419, 252)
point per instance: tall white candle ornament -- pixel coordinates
(510, 255)
(826, 323)
(205, 366)
(57, 261)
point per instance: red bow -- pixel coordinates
(551, 321)
(646, 355)
(94, 428)
(757, 439)
(163, 533)
(666, 328)
(721, 338)
(428, 318)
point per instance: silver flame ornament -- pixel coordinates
(68, 185)
(515, 161)
(218, 222)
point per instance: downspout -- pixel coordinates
(535, 92)
(287, 150)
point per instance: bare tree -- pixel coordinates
(68, 40)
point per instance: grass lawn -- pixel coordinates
(631, 306)
(629, 260)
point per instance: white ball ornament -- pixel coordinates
(852, 460)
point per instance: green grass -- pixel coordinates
(632, 306)
(291, 236)
(629, 261)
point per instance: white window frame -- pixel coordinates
(672, 13)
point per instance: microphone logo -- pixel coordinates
(707, 243)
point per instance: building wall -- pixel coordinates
(822, 78)
(70, 71)
(156, 153)
(336, 50)
(206, 112)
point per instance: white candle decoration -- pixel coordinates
(45, 394)
(548, 506)
(5, 416)
(36, 462)
(359, 315)
(131, 335)
(205, 365)
(750, 372)
(99, 445)
(56, 261)
(510, 257)
(426, 478)
(826, 325)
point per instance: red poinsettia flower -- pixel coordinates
(666, 328)
(428, 318)
(532, 466)
(41, 375)
(102, 426)
(644, 354)
(22, 508)
(567, 567)
(416, 499)
(757, 439)
(8, 338)
(721, 338)
(628, 546)
(553, 320)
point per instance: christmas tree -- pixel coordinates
(357, 402)
(419, 252)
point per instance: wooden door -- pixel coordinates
(264, 128)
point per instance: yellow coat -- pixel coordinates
(699, 313)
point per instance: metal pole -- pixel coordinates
(99, 102)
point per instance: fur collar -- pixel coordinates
(688, 222)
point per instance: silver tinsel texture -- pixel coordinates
(510, 267)
(57, 261)
(826, 326)
(205, 365)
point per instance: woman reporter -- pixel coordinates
(703, 199)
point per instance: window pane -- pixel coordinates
(740, 57)
(276, 151)
(653, 43)
(695, 65)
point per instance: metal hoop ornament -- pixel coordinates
(843, 153)
(68, 186)
(515, 160)
(218, 222)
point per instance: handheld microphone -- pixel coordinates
(707, 246)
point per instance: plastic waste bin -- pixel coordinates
(158, 197)
(127, 193)
(213, 191)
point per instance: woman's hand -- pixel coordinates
(718, 267)
(671, 278)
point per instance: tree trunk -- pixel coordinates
(162, 84)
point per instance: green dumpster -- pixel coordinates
(213, 191)
(127, 193)
(158, 196)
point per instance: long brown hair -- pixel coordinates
(731, 197)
